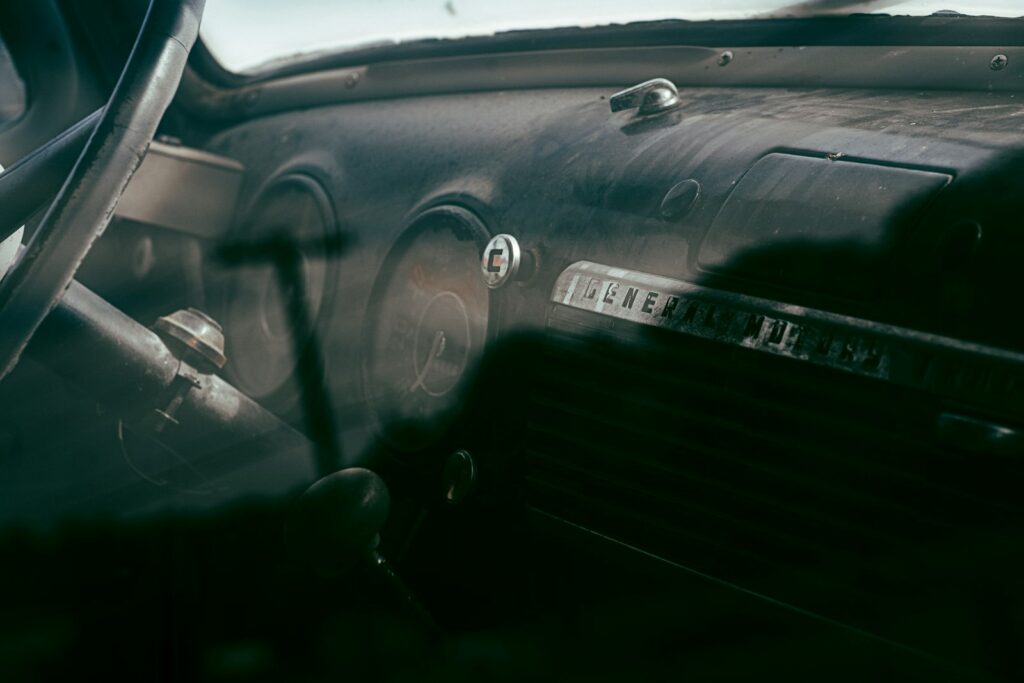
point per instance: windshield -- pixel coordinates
(247, 35)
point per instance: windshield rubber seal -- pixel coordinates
(853, 30)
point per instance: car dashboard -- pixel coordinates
(733, 387)
(763, 338)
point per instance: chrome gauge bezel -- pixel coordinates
(416, 228)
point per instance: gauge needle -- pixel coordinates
(436, 349)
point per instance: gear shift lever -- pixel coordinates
(335, 524)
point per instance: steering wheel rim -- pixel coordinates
(85, 204)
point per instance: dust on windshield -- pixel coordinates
(248, 35)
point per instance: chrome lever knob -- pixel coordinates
(655, 96)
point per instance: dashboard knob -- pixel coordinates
(501, 261)
(336, 521)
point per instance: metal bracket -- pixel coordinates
(187, 379)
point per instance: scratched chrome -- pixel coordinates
(862, 347)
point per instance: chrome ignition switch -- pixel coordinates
(656, 96)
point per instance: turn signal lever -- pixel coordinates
(336, 524)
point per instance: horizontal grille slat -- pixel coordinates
(904, 451)
(568, 449)
(708, 552)
(748, 467)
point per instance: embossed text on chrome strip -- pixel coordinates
(860, 346)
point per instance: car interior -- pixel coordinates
(680, 348)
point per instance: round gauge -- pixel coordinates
(260, 348)
(427, 327)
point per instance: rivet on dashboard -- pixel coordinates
(725, 58)
(999, 62)
(501, 260)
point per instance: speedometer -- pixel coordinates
(427, 326)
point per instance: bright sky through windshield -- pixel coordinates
(243, 34)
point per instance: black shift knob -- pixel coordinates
(335, 523)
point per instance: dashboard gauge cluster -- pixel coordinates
(427, 327)
(258, 330)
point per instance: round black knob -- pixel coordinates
(336, 522)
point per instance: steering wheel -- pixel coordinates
(83, 207)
